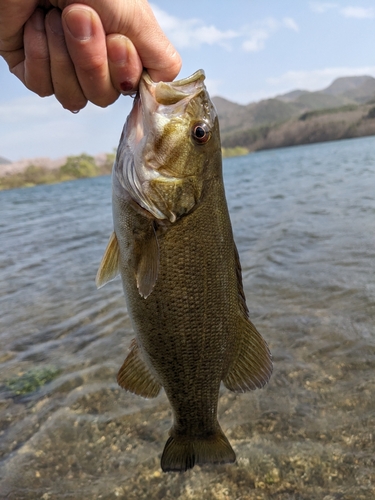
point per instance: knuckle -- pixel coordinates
(93, 65)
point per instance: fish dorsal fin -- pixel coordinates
(147, 267)
(251, 367)
(135, 376)
(109, 266)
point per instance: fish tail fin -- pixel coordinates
(183, 452)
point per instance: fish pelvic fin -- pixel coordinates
(109, 266)
(183, 452)
(135, 376)
(252, 366)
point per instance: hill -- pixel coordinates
(341, 110)
(4, 161)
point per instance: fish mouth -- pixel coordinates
(168, 98)
(157, 102)
(155, 95)
(169, 93)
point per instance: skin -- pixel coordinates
(88, 51)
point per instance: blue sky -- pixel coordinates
(249, 49)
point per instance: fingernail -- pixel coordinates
(54, 22)
(127, 88)
(37, 20)
(79, 23)
(118, 50)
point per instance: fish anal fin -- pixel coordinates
(147, 266)
(183, 452)
(109, 265)
(135, 376)
(251, 368)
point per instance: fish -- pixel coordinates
(173, 246)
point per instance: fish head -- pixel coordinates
(168, 143)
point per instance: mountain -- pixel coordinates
(291, 96)
(250, 125)
(346, 84)
(4, 161)
(237, 117)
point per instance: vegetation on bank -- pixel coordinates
(327, 111)
(236, 151)
(76, 167)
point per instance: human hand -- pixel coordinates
(89, 51)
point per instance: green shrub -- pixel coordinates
(236, 151)
(79, 167)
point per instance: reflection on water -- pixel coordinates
(303, 220)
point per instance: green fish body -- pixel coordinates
(173, 246)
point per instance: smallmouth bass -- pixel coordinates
(173, 246)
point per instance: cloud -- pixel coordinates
(213, 86)
(358, 12)
(192, 32)
(256, 41)
(262, 30)
(33, 127)
(322, 7)
(315, 79)
(26, 108)
(290, 23)
(353, 12)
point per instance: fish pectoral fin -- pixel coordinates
(252, 367)
(109, 265)
(147, 267)
(135, 376)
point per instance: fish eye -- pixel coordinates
(201, 133)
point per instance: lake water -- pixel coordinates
(304, 223)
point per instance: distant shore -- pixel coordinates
(33, 172)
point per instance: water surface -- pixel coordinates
(303, 220)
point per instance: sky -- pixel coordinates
(249, 49)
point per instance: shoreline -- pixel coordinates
(39, 171)
(43, 171)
